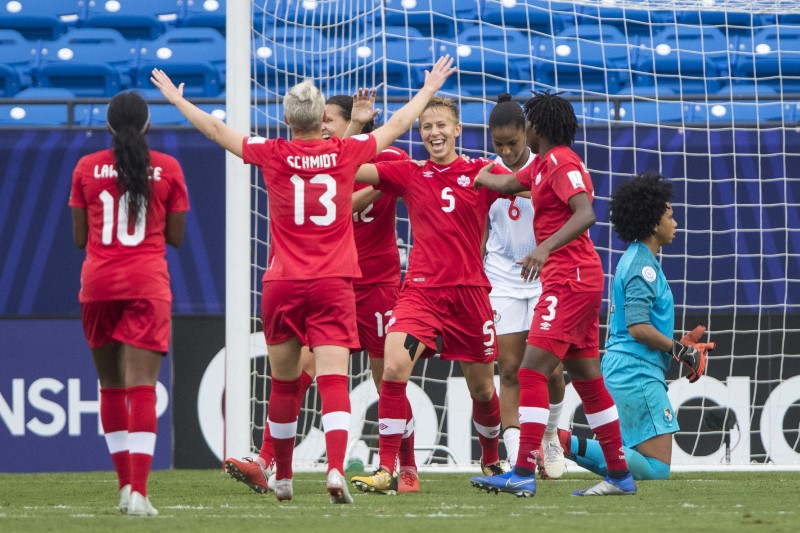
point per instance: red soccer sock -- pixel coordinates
(534, 404)
(391, 421)
(486, 418)
(335, 417)
(142, 428)
(283, 424)
(114, 417)
(601, 413)
(408, 460)
(267, 453)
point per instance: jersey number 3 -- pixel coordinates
(124, 238)
(326, 200)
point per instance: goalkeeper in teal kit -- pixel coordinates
(640, 346)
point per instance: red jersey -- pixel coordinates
(309, 190)
(376, 235)
(553, 180)
(448, 217)
(124, 261)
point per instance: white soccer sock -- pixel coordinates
(511, 441)
(551, 431)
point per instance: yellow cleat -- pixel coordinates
(380, 482)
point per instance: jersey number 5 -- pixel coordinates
(124, 238)
(447, 196)
(326, 200)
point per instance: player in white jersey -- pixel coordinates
(513, 299)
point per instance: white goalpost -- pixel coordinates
(705, 91)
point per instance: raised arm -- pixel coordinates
(502, 183)
(363, 111)
(404, 117)
(210, 126)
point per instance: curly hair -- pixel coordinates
(506, 113)
(638, 205)
(345, 105)
(552, 117)
(128, 118)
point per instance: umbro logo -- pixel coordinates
(382, 426)
(544, 326)
(427, 174)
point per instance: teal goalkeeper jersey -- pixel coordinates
(640, 294)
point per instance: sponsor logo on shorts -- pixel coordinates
(649, 274)
(544, 326)
(488, 351)
(668, 416)
(463, 180)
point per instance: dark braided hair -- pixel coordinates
(638, 205)
(345, 105)
(128, 117)
(552, 117)
(506, 113)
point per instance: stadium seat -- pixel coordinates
(87, 61)
(407, 54)
(738, 112)
(40, 19)
(591, 58)
(326, 17)
(774, 60)
(193, 56)
(629, 20)
(539, 16)
(434, 18)
(27, 112)
(135, 19)
(286, 56)
(19, 57)
(693, 60)
(204, 14)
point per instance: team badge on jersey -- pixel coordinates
(649, 274)
(463, 180)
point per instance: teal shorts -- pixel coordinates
(640, 392)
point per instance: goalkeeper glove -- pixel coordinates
(692, 354)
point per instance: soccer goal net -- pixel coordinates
(705, 91)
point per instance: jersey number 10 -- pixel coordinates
(124, 238)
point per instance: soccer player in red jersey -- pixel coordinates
(376, 292)
(566, 320)
(128, 203)
(308, 294)
(445, 294)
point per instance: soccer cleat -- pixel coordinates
(284, 490)
(494, 469)
(124, 498)
(337, 487)
(552, 464)
(250, 472)
(510, 482)
(139, 505)
(610, 487)
(408, 481)
(381, 482)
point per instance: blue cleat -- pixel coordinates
(522, 487)
(610, 487)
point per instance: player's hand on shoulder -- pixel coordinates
(483, 175)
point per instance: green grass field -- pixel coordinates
(204, 500)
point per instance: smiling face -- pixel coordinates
(439, 129)
(666, 228)
(509, 144)
(333, 124)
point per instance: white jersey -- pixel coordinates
(510, 239)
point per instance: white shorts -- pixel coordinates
(513, 315)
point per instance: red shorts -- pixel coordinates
(141, 323)
(567, 323)
(374, 304)
(461, 315)
(319, 312)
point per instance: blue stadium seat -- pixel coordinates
(87, 61)
(30, 113)
(407, 54)
(476, 113)
(327, 17)
(135, 19)
(539, 16)
(19, 57)
(774, 59)
(738, 112)
(590, 58)
(285, 56)
(193, 56)
(204, 14)
(435, 18)
(631, 21)
(690, 59)
(40, 19)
